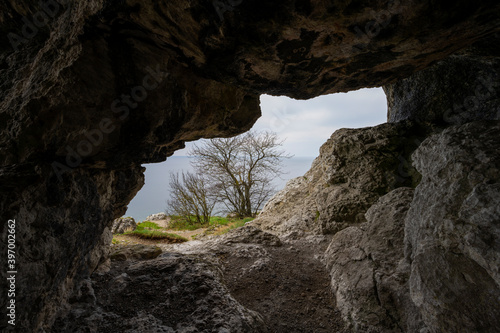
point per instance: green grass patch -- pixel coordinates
(217, 220)
(157, 235)
(233, 225)
(180, 223)
(146, 224)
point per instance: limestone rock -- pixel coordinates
(250, 234)
(452, 229)
(175, 293)
(355, 167)
(157, 216)
(100, 261)
(121, 252)
(368, 274)
(91, 90)
(459, 89)
(123, 224)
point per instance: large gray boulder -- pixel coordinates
(355, 167)
(123, 224)
(157, 217)
(172, 294)
(368, 274)
(452, 230)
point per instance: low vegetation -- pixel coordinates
(157, 235)
(147, 225)
(148, 230)
(152, 231)
(181, 223)
(232, 225)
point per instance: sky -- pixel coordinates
(307, 124)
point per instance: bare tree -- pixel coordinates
(241, 169)
(191, 198)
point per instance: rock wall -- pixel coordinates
(425, 260)
(59, 228)
(91, 90)
(459, 89)
(368, 270)
(452, 230)
(355, 167)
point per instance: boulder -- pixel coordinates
(369, 276)
(452, 230)
(122, 252)
(123, 224)
(172, 293)
(355, 167)
(157, 217)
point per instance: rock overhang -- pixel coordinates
(92, 60)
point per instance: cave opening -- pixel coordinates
(304, 124)
(398, 221)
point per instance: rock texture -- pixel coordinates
(459, 89)
(158, 296)
(138, 251)
(157, 216)
(303, 48)
(62, 234)
(355, 167)
(452, 231)
(123, 224)
(91, 90)
(243, 281)
(368, 271)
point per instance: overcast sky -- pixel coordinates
(306, 125)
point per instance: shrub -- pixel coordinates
(157, 235)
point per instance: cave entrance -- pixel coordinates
(305, 124)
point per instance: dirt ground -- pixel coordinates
(287, 285)
(291, 291)
(183, 233)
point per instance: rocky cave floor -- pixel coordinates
(291, 289)
(244, 281)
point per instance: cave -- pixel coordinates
(92, 90)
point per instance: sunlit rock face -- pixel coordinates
(90, 90)
(354, 168)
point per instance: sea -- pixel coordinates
(154, 194)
